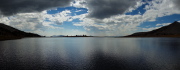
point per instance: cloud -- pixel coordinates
(159, 8)
(177, 3)
(79, 3)
(11, 7)
(127, 24)
(25, 21)
(151, 28)
(163, 24)
(106, 17)
(117, 25)
(60, 17)
(31, 22)
(106, 8)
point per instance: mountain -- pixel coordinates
(172, 30)
(8, 32)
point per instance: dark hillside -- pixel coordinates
(172, 30)
(8, 32)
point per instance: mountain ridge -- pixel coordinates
(172, 30)
(8, 32)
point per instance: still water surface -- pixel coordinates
(90, 54)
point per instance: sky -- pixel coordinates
(90, 17)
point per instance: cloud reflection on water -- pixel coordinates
(91, 53)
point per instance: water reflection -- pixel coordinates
(91, 54)
(104, 62)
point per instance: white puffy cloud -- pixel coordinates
(36, 22)
(151, 28)
(156, 27)
(127, 24)
(25, 21)
(120, 25)
(112, 24)
(163, 24)
(59, 18)
(160, 8)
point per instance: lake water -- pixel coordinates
(90, 54)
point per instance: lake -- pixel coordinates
(93, 53)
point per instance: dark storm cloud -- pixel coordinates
(10, 7)
(177, 3)
(106, 8)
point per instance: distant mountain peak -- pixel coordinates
(175, 22)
